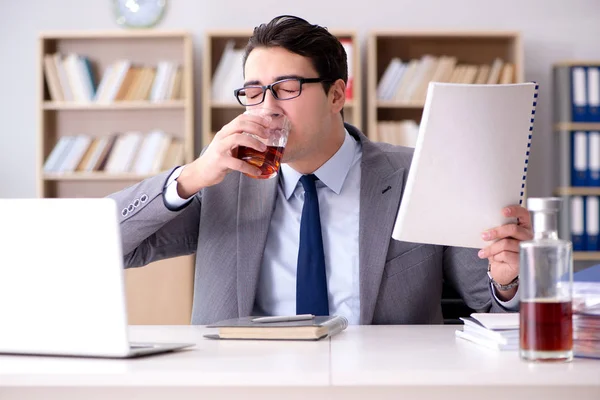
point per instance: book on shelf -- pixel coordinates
(317, 328)
(400, 133)
(349, 48)
(408, 81)
(228, 75)
(71, 78)
(124, 153)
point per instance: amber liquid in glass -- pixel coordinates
(267, 161)
(546, 326)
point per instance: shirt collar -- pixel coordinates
(332, 173)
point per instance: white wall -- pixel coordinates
(552, 29)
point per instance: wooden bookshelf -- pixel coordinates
(568, 128)
(93, 176)
(586, 255)
(576, 126)
(121, 105)
(217, 113)
(577, 191)
(160, 293)
(468, 47)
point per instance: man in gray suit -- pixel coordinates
(255, 251)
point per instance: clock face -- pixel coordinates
(139, 13)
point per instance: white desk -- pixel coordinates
(429, 362)
(369, 362)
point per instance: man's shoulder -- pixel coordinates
(394, 150)
(399, 156)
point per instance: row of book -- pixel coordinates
(578, 87)
(585, 222)
(400, 133)
(408, 81)
(502, 331)
(228, 74)
(585, 158)
(129, 152)
(71, 78)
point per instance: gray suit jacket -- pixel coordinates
(226, 226)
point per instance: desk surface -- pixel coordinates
(361, 360)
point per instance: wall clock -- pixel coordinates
(139, 13)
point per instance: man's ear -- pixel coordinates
(337, 93)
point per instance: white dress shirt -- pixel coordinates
(338, 189)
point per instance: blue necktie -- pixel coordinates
(311, 279)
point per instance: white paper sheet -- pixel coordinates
(469, 163)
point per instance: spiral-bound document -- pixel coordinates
(470, 161)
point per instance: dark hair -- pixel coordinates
(313, 41)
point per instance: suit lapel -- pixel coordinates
(380, 191)
(255, 209)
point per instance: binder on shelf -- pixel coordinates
(578, 223)
(593, 92)
(579, 100)
(448, 184)
(577, 93)
(593, 178)
(579, 167)
(592, 223)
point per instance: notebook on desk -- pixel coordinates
(470, 161)
(315, 328)
(500, 331)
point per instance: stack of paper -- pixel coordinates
(586, 319)
(501, 331)
(494, 331)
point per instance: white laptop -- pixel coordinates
(62, 286)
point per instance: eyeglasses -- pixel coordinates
(285, 89)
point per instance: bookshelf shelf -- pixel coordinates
(122, 105)
(430, 55)
(227, 105)
(577, 191)
(217, 113)
(237, 106)
(576, 126)
(573, 63)
(148, 88)
(103, 36)
(586, 255)
(395, 104)
(94, 176)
